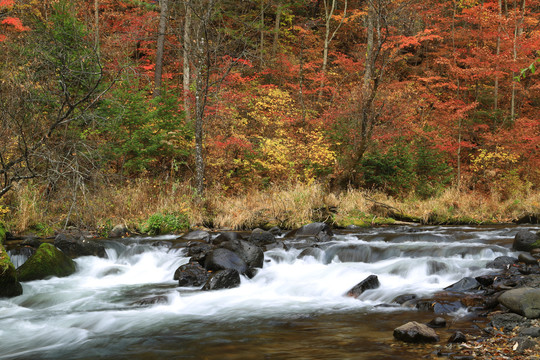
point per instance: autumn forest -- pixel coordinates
(227, 113)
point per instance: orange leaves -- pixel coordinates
(16, 23)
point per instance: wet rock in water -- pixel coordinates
(465, 284)
(318, 231)
(32, 241)
(473, 301)
(502, 262)
(192, 274)
(371, 282)
(457, 337)
(223, 259)
(73, 247)
(252, 255)
(159, 299)
(260, 237)
(535, 253)
(527, 259)
(46, 262)
(524, 241)
(485, 280)
(197, 251)
(119, 231)
(223, 279)
(436, 267)
(523, 301)
(9, 284)
(276, 231)
(226, 236)
(440, 305)
(437, 322)
(414, 332)
(311, 251)
(197, 235)
(508, 321)
(405, 298)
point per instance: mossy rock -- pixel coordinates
(9, 284)
(48, 261)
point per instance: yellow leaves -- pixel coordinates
(486, 160)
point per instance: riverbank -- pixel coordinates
(161, 206)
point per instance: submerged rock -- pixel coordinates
(223, 279)
(46, 262)
(457, 337)
(414, 332)
(192, 274)
(371, 282)
(9, 284)
(437, 322)
(158, 299)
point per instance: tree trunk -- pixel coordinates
(163, 14)
(186, 68)
(498, 51)
(276, 29)
(96, 24)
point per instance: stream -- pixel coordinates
(294, 308)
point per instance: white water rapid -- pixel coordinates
(92, 314)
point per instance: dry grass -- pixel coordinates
(132, 203)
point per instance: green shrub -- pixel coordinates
(161, 224)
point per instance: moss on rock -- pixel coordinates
(46, 262)
(9, 284)
(2, 233)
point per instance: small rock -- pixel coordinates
(502, 262)
(527, 259)
(371, 282)
(402, 299)
(159, 299)
(119, 231)
(438, 322)
(521, 344)
(457, 337)
(530, 331)
(465, 284)
(414, 332)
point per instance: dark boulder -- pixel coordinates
(485, 280)
(223, 259)
(402, 299)
(371, 282)
(251, 254)
(73, 247)
(502, 262)
(119, 231)
(525, 241)
(46, 262)
(457, 338)
(226, 236)
(319, 231)
(465, 284)
(223, 279)
(414, 332)
(260, 237)
(198, 250)
(197, 235)
(32, 241)
(9, 284)
(192, 274)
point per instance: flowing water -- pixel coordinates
(293, 308)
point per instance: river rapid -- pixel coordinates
(294, 308)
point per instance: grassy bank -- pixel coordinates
(171, 206)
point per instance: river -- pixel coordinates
(293, 308)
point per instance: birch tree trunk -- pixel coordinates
(163, 14)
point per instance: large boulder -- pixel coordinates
(9, 284)
(223, 279)
(226, 236)
(74, 248)
(371, 282)
(46, 262)
(260, 237)
(525, 241)
(197, 251)
(523, 301)
(318, 231)
(414, 332)
(223, 259)
(251, 254)
(192, 274)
